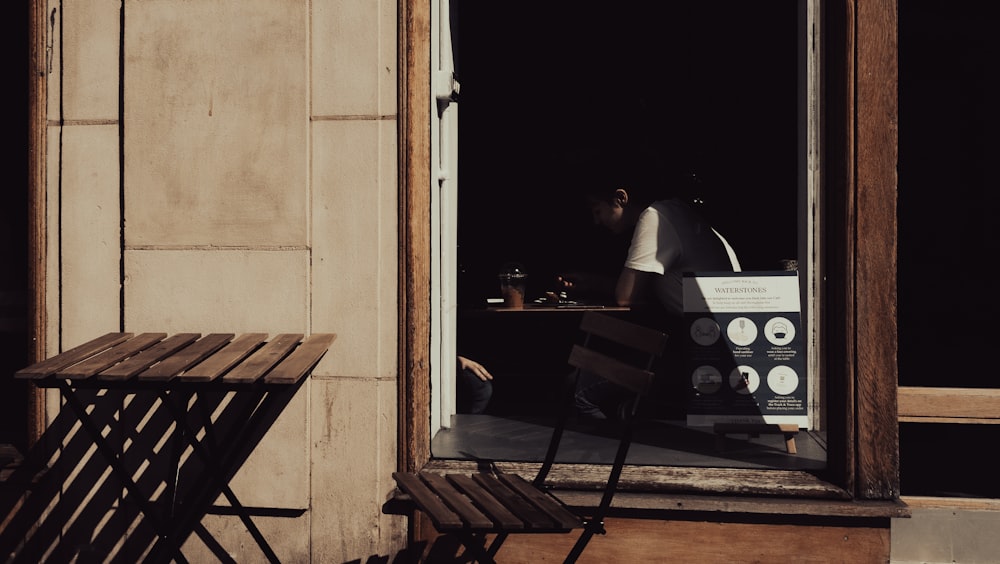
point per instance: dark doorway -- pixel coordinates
(948, 235)
(14, 291)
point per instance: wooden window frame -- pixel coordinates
(859, 188)
(37, 228)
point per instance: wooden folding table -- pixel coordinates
(179, 370)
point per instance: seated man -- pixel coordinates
(668, 238)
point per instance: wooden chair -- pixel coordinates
(499, 503)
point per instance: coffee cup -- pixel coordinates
(513, 280)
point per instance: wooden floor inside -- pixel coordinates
(656, 442)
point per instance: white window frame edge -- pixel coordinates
(810, 201)
(444, 220)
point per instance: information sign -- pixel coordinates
(744, 353)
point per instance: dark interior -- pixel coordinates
(695, 100)
(949, 234)
(658, 91)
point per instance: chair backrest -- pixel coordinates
(622, 369)
(629, 335)
(637, 377)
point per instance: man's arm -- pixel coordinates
(633, 287)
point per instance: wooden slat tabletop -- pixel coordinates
(220, 362)
(148, 357)
(186, 357)
(261, 361)
(74, 355)
(302, 359)
(110, 357)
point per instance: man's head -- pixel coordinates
(616, 195)
(610, 211)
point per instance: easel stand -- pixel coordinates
(789, 430)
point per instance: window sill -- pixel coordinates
(698, 490)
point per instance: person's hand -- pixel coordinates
(478, 369)
(565, 282)
(584, 284)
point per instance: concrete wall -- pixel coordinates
(944, 535)
(230, 166)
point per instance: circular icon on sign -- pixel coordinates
(741, 331)
(744, 380)
(705, 331)
(779, 331)
(782, 380)
(706, 379)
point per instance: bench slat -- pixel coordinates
(185, 358)
(501, 516)
(531, 515)
(458, 502)
(441, 515)
(564, 518)
(148, 357)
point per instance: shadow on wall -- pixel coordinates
(67, 501)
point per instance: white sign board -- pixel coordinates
(744, 352)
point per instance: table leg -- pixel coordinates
(112, 457)
(261, 410)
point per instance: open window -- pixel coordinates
(852, 344)
(719, 105)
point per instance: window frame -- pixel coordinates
(858, 352)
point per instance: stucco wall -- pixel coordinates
(231, 166)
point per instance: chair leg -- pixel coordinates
(495, 545)
(581, 543)
(475, 545)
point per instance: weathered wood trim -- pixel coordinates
(667, 479)
(952, 503)
(949, 405)
(654, 540)
(860, 187)
(668, 506)
(877, 439)
(37, 152)
(414, 234)
(838, 247)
